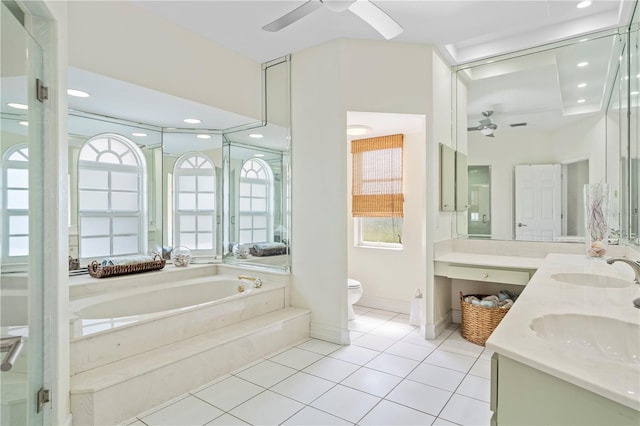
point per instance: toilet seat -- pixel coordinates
(353, 283)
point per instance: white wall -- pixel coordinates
(119, 40)
(328, 81)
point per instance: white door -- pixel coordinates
(538, 202)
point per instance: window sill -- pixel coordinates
(380, 247)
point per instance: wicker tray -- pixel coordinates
(479, 322)
(98, 271)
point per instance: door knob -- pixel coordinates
(12, 346)
(520, 225)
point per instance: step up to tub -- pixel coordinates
(117, 391)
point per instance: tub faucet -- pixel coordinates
(257, 282)
(635, 265)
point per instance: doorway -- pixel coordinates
(479, 211)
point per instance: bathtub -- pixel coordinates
(112, 326)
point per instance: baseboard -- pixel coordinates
(432, 331)
(456, 315)
(385, 304)
(339, 336)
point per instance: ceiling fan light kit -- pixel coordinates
(486, 127)
(364, 9)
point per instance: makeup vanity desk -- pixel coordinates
(499, 269)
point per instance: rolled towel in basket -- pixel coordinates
(268, 249)
(125, 260)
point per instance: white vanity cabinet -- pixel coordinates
(522, 395)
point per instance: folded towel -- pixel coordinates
(125, 260)
(268, 249)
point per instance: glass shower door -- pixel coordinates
(21, 232)
(479, 201)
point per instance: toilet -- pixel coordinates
(354, 294)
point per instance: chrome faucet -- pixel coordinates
(257, 282)
(635, 265)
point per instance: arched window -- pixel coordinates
(195, 203)
(15, 202)
(111, 198)
(256, 180)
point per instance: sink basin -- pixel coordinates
(591, 280)
(599, 337)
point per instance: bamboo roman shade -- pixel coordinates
(377, 177)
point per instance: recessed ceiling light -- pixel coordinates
(139, 134)
(634, 93)
(23, 123)
(256, 136)
(258, 155)
(581, 101)
(77, 93)
(581, 85)
(17, 105)
(584, 39)
(583, 4)
(192, 121)
(358, 130)
(583, 64)
(203, 136)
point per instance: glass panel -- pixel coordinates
(259, 221)
(129, 159)
(186, 201)
(245, 221)
(259, 235)
(121, 180)
(18, 225)
(124, 201)
(101, 144)
(206, 202)
(259, 205)
(18, 199)
(94, 200)
(18, 178)
(93, 226)
(94, 247)
(125, 225)
(259, 190)
(187, 223)
(188, 239)
(125, 245)
(118, 147)
(206, 183)
(245, 204)
(205, 241)
(109, 157)
(187, 183)
(245, 189)
(93, 179)
(245, 237)
(88, 154)
(18, 246)
(205, 223)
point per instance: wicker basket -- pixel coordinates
(98, 271)
(479, 322)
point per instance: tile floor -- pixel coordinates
(389, 375)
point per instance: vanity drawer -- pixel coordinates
(494, 275)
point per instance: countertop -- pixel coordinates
(490, 260)
(514, 337)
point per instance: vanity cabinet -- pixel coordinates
(522, 395)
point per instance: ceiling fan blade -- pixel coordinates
(485, 122)
(469, 129)
(291, 17)
(377, 18)
(490, 135)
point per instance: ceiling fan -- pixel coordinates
(486, 127)
(364, 9)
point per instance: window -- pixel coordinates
(15, 202)
(195, 203)
(111, 196)
(256, 179)
(377, 197)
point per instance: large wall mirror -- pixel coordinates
(539, 125)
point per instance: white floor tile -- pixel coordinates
(268, 408)
(486, 354)
(390, 331)
(187, 411)
(439, 377)
(458, 344)
(390, 413)
(354, 335)
(296, 358)
(319, 346)
(229, 393)
(409, 350)
(475, 387)
(382, 314)
(365, 324)
(467, 411)
(372, 381)
(416, 337)
(226, 420)
(443, 422)
(313, 416)
(331, 369)
(303, 387)
(355, 354)
(266, 374)
(136, 423)
(482, 368)
(393, 364)
(416, 395)
(450, 360)
(371, 341)
(346, 403)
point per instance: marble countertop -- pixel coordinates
(517, 262)
(544, 295)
